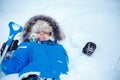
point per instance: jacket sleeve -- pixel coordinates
(63, 61)
(19, 59)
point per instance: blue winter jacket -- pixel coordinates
(49, 59)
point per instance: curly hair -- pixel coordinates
(57, 33)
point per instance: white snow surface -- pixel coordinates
(82, 21)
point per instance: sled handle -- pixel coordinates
(14, 29)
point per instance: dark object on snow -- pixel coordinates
(12, 47)
(32, 77)
(35, 77)
(89, 48)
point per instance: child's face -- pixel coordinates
(43, 36)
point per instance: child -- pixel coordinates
(39, 56)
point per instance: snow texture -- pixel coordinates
(82, 21)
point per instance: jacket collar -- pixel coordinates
(49, 42)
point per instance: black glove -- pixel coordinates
(13, 46)
(2, 48)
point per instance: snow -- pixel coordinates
(82, 21)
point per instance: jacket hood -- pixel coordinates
(58, 35)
